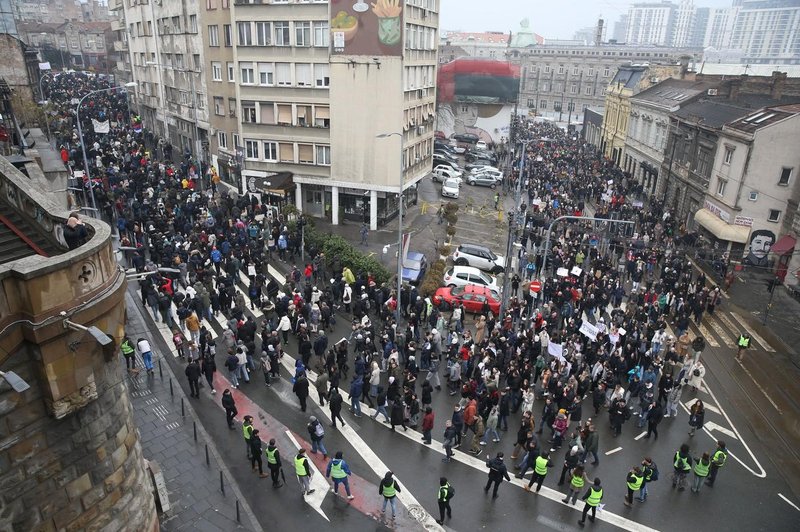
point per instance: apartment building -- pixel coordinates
(767, 31)
(651, 23)
(302, 89)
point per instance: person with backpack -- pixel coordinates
(446, 492)
(317, 433)
(650, 474)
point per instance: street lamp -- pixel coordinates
(42, 102)
(399, 223)
(83, 144)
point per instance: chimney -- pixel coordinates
(735, 85)
(778, 84)
(598, 38)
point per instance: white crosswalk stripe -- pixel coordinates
(721, 333)
(707, 335)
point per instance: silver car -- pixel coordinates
(450, 188)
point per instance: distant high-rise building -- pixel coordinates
(620, 28)
(719, 27)
(587, 34)
(684, 23)
(701, 15)
(768, 31)
(651, 23)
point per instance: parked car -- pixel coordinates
(439, 145)
(442, 172)
(478, 168)
(480, 257)
(464, 275)
(473, 155)
(470, 296)
(480, 164)
(414, 267)
(450, 187)
(446, 155)
(468, 138)
(497, 175)
(481, 145)
(482, 180)
(441, 160)
(458, 149)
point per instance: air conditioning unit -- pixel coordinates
(713, 92)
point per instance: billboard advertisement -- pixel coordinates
(361, 28)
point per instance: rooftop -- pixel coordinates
(485, 37)
(716, 112)
(672, 92)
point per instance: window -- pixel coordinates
(774, 215)
(606, 72)
(304, 115)
(282, 35)
(232, 108)
(213, 35)
(219, 106)
(283, 74)
(196, 62)
(244, 33)
(193, 23)
(251, 149)
(236, 143)
(322, 75)
(545, 87)
(728, 155)
(216, 71)
(321, 34)
(179, 61)
(302, 33)
(226, 29)
(249, 113)
(305, 153)
(266, 74)
(324, 155)
(247, 73)
(703, 162)
(287, 152)
(753, 195)
(560, 69)
(284, 114)
(222, 140)
(263, 33)
(302, 72)
(573, 89)
(531, 104)
(547, 69)
(721, 184)
(231, 72)
(587, 90)
(786, 175)
(322, 116)
(542, 104)
(271, 151)
(267, 113)
(574, 71)
(590, 72)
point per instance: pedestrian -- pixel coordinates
(321, 384)
(491, 427)
(718, 460)
(209, 367)
(696, 417)
(497, 472)
(129, 352)
(427, 425)
(445, 493)
(593, 496)
(634, 482)
(300, 388)
(654, 417)
(743, 344)
(389, 489)
(274, 463)
(449, 440)
(232, 365)
(255, 453)
(229, 405)
(674, 400)
(540, 466)
(650, 474)
(338, 470)
(577, 480)
(570, 461)
(147, 354)
(682, 464)
(302, 469)
(335, 404)
(701, 469)
(398, 415)
(193, 374)
(356, 388)
(496, 200)
(247, 432)
(591, 445)
(317, 433)
(364, 233)
(381, 404)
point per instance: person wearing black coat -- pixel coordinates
(193, 373)
(497, 472)
(398, 415)
(335, 401)
(75, 233)
(229, 405)
(300, 389)
(654, 417)
(209, 367)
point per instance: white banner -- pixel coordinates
(556, 350)
(589, 330)
(44, 66)
(101, 127)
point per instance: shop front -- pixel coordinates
(723, 236)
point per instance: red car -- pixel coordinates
(470, 296)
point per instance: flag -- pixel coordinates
(100, 127)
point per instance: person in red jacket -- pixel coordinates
(427, 425)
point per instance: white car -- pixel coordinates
(480, 257)
(482, 168)
(464, 275)
(450, 188)
(497, 175)
(442, 172)
(481, 145)
(456, 148)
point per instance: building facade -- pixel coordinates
(560, 82)
(651, 24)
(768, 31)
(71, 44)
(479, 45)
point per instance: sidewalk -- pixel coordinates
(168, 438)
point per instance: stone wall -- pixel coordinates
(82, 472)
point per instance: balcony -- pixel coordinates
(120, 46)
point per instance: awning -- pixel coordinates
(784, 245)
(720, 229)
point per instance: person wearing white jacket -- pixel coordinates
(284, 326)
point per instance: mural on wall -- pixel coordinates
(476, 96)
(358, 28)
(761, 242)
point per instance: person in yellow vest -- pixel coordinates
(302, 469)
(338, 470)
(743, 343)
(274, 463)
(576, 484)
(701, 468)
(247, 431)
(129, 352)
(389, 489)
(443, 497)
(539, 471)
(593, 496)
(682, 464)
(634, 482)
(717, 462)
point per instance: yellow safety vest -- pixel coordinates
(577, 482)
(300, 466)
(744, 342)
(443, 491)
(247, 430)
(389, 491)
(541, 466)
(681, 463)
(594, 496)
(701, 469)
(271, 455)
(337, 471)
(717, 461)
(127, 348)
(636, 484)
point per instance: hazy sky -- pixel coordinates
(549, 18)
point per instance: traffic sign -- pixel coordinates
(535, 287)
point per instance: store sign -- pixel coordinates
(361, 28)
(722, 215)
(744, 221)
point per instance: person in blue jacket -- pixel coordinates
(338, 470)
